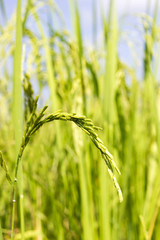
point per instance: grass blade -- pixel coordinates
(110, 38)
(1, 236)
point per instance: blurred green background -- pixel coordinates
(92, 58)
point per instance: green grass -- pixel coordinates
(66, 175)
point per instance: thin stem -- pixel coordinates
(13, 207)
(15, 187)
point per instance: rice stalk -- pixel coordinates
(108, 110)
(36, 121)
(18, 113)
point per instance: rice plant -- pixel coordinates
(91, 169)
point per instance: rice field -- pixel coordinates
(79, 126)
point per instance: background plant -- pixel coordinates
(67, 193)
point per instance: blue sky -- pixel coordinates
(124, 7)
(128, 22)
